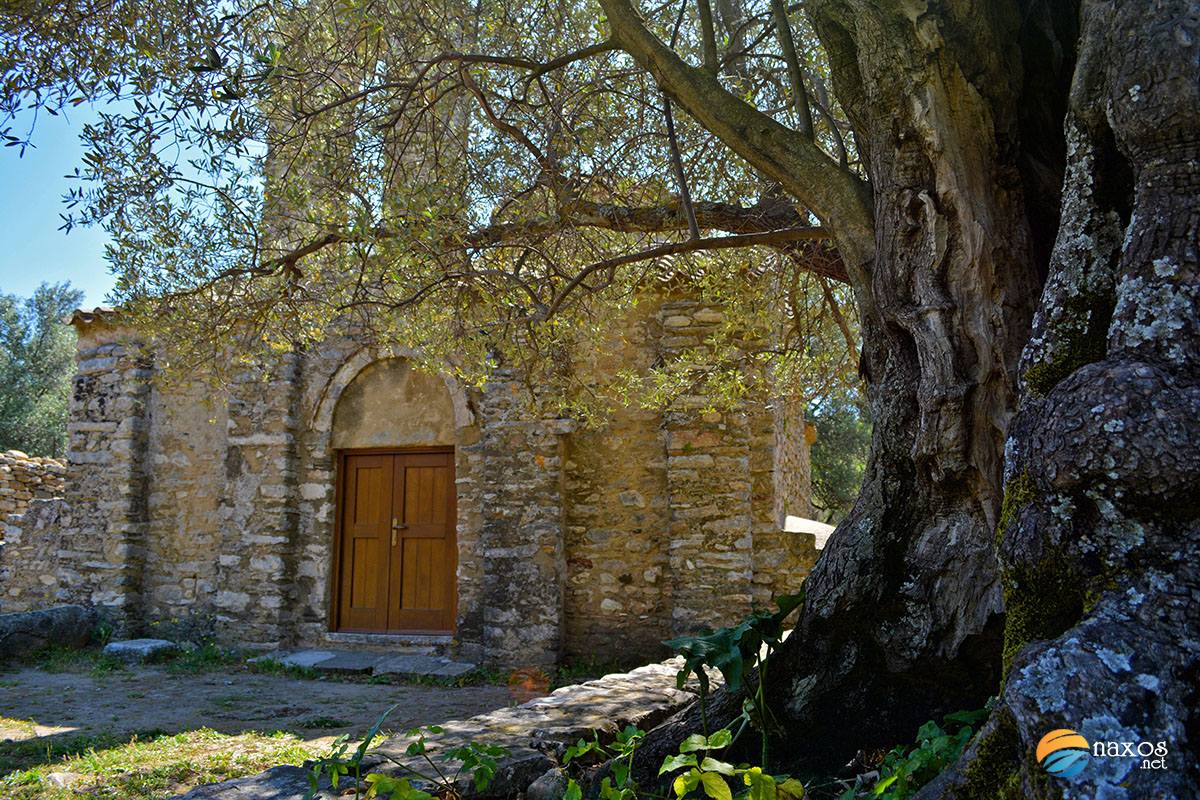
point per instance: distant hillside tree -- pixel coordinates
(36, 362)
(839, 455)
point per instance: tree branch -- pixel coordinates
(685, 197)
(771, 238)
(708, 36)
(768, 224)
(841, 200)
(840, 319)
(783, 31)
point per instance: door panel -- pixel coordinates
(366, 528)
(423, 590)
(398, 554)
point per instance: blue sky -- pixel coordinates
(32, 249)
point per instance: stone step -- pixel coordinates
(354, 662)
(391, 644)
(137, 651)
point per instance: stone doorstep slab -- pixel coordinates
(435, 666)
(349, 663)
(303, 658)
(139, 650)
(362, 663)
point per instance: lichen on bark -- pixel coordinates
(1083, 335)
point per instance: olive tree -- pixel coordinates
(1005, 187)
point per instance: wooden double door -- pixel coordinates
(396, 556)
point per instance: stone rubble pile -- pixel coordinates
(24, 478)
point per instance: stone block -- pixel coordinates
(138, 651)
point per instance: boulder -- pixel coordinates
(551, 786)
(25, 632)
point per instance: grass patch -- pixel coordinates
(208, 658)
(146, 767)
(323, 723)
(69, 659)
(26, 754)
(269, 666)
(65, 659)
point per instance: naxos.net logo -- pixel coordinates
(1064, 753)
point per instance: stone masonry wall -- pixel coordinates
(710, 488)
(618, 582)
(781, 560)
(89, 547)
(673, 521)
(186, 457)
(524, 556)
(256, 565)
(594, 542)
(24, 478)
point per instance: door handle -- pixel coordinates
(397, 525)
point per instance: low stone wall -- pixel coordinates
(24, 478)
(31, 569)
(30, 509)
(535, 733)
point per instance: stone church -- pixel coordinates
(349, 500)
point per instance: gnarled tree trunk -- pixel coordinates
(903, 619)
(959, 113)
(1101, 527)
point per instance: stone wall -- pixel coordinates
(669, 513)
(186, 461)
(188, 501)
(618, 579)
(522, 546)
(24, 478)
(89, 547)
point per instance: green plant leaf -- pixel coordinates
(686, 782)
(713, 765)
(720, 739)
(482, 776)
(790, 789)
(697, 741)
(715, 786)
(371, 734)
(762, 786)
(672, 763)
(573, 791)
(968, 717)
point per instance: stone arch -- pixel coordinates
(321, 419)
(333, 373)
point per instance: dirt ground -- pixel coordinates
(36, 703)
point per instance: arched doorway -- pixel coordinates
(394, 555)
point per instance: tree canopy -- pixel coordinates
(482, 179)
(1006, 187)
(37, 360)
